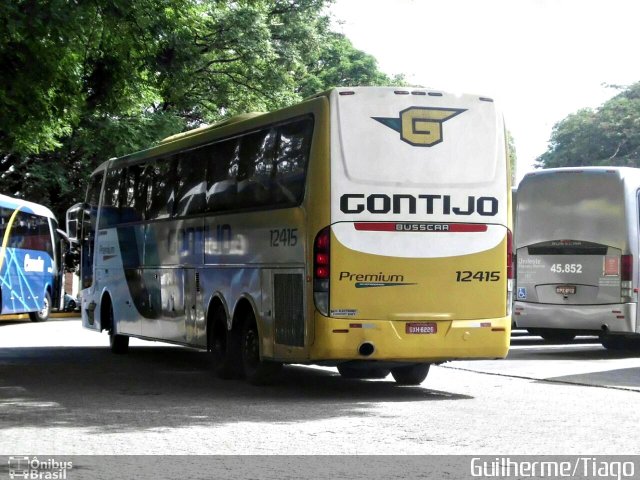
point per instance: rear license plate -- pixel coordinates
(566, 290)
(423, 328)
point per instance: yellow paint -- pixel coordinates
(432, 291)
(455, 339)
(470, 316)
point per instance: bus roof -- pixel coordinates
(197, 136)
(29, 207)
(400, 91)
(628, 174)
(206, 128)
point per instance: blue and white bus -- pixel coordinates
(30, 256)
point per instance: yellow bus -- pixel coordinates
(365, 228)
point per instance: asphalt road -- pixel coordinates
(63, 392)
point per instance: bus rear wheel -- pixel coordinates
(119, 343)
(224, 345)
(43, 314)
(256, 371)
(411, 374)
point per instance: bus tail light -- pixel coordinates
(322, 270)
(509, 270)
(626, 278)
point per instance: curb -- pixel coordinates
(24, 316)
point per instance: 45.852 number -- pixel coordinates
(566, 268)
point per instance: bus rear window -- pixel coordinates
(567, 247)
(390, 140)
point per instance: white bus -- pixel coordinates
(576, 237)
(364, 228)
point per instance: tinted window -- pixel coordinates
(5, 216)
(292, 156)
(162, 182)
(222, 167)
(255, 169)
(89, 230)
(109, 214)
(134, 194)
(258, 169)
(31, 232)
(191, 182)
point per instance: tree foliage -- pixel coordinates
(340, 63)
(84, 81)
(608, 135)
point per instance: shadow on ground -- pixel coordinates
(165, 386)
(617, 378)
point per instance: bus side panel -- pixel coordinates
(115, 264)
(250, 257)
(24, 275)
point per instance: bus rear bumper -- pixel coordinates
(615, 318)
(386, 340)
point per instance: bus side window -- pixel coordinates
(5, 215)
(109, 212)
(89, 217)
(294, 143)
(161, 189)
(18, 232)
(35, 233)
(222, 168)
(134, 193)
(254, 169)
(191, 182)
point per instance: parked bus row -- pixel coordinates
(577, 249)
(364, 228)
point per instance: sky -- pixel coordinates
(541, 60)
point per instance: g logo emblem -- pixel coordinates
(420, 126)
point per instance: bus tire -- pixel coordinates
(411, 374)
(42, 315)
(119, 344)
(224, 345)
(347, 371)
(256, 371)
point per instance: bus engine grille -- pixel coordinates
(289, 312)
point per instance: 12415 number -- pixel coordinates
(284, 237)
(468, 276)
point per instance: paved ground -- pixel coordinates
(63, 392)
